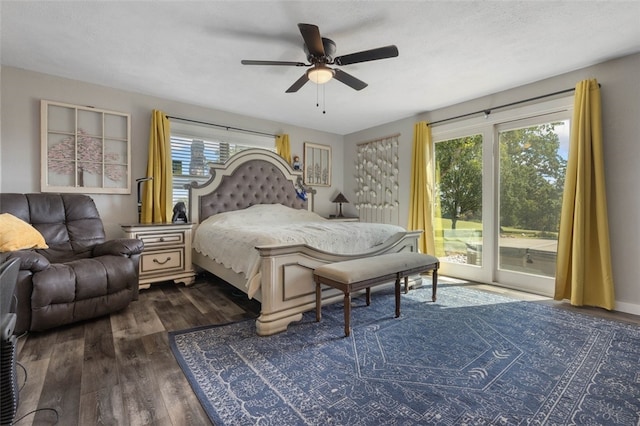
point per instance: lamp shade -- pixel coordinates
(340, 198)
(320, 74)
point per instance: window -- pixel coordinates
(194, 148)
(533, 162)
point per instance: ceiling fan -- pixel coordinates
(320, 53)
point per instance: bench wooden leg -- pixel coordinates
(434, 284)
(368, 293)
(318, 302)
(398, 296)
(406, 284)
(347, 313)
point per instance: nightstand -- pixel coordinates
(167, 252)
(344, 219)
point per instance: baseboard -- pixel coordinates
(627, 308)
(622, 307)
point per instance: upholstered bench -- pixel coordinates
(354, 275)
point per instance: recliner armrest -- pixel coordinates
(29, 260)
(119, 247)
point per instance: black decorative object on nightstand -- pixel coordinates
(179, 213)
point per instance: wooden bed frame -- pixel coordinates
(287, 289)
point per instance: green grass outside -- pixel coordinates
(505, 230)
(461, 224)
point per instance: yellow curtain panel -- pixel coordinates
(157, 196)
(283, 147)
(583, 267)
(421, 195)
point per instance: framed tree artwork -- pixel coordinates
(84, 149)
(317, 164)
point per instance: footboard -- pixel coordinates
(287, 285)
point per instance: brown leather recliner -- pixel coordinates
(80, 275)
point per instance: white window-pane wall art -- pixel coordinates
(84, 149)
(317, 164)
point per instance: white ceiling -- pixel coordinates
(190, 51)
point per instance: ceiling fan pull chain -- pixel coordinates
(324, 98)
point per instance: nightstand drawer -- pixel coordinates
(159, 239)
(161, 261)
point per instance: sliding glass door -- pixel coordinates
(462, 204)
(498, 197)
(532, 165)
(458, 192)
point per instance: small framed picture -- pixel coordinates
(317, 164)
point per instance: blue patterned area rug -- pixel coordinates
(472, 358)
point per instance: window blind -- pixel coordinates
(194, 148)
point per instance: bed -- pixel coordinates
(277, 267)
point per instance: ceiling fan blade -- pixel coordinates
(311, 35)
(298, 84)
(368, 55)
(294, 64)
(349, 80)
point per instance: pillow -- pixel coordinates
(16, 234)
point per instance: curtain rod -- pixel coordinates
(221, 126)
(487, 111)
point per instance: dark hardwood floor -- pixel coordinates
(119, 370)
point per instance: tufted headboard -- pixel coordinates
(253, 176)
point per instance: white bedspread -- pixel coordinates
(230, 238)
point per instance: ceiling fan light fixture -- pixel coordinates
(320, 53)
(320, 74)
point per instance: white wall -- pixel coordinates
(20, 136)
(620, 80)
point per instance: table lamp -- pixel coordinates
(340, 199)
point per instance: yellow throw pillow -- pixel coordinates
(16, 234)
